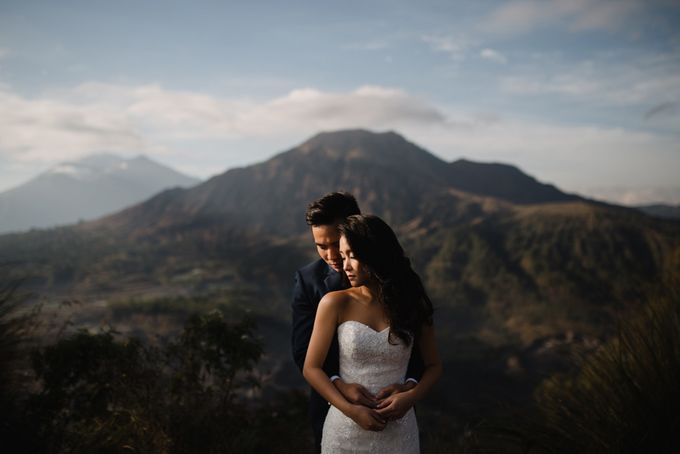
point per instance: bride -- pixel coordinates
(384, 314)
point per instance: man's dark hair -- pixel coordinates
(331, 209)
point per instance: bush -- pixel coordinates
(624, 399)
(195, 394)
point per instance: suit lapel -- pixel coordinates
(333, 281)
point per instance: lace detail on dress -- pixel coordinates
(366, 357)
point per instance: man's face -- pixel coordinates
(327, 240)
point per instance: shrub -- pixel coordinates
(624, 399)
(99, 393)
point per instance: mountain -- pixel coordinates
(511, 261)
(84, 189)
(661, 210)
(503, 181)
(387, 174)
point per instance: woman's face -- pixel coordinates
(355, 272)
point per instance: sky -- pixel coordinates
(583, 94)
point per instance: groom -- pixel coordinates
(312, 282)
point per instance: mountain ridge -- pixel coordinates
(495, 268)
(384, 170)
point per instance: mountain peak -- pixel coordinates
(141, 158)
(350, 138)
(367, 146)
(356, 134)
(99, 160)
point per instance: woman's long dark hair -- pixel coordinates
(400, 289)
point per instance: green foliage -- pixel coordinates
(99, 393)
(95, 395)
(208, 353)
(537, 271)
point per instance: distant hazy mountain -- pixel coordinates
(634, 196)
(84, 189)
(661, 210)
(387, 174)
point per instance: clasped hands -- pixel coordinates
(373, 412)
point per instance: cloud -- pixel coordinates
(570, 156)
(562, 84)
(154, 120)
(455, 46)
(376, 106)
(612, 80)
(147, 118)
(576, 15)
(40, 130)
(458, 47)
(493, 55)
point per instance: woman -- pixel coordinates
(384, 314)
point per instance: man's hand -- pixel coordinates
(394, 388)
(355, 393)
(367, 418)
(395, 406)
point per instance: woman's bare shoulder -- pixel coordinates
(336, 300)
(332, 305)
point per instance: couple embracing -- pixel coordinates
(362, 333)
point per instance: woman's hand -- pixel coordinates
(367, 418)
(395, 406)
(355, 393)
(394, 389)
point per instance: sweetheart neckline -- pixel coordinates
(367, 326)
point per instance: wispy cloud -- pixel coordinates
(459, 47)
(455, 46)
(97, 116)
(576, 15)
(570, 156)
(614, 81)
(45, 129)
(151, 119)
(562, 84)
(493, 55)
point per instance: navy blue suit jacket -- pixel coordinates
(312, 282)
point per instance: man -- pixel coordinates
(312, 282)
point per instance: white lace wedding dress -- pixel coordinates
(366, 357)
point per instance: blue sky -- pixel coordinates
(584, 94)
